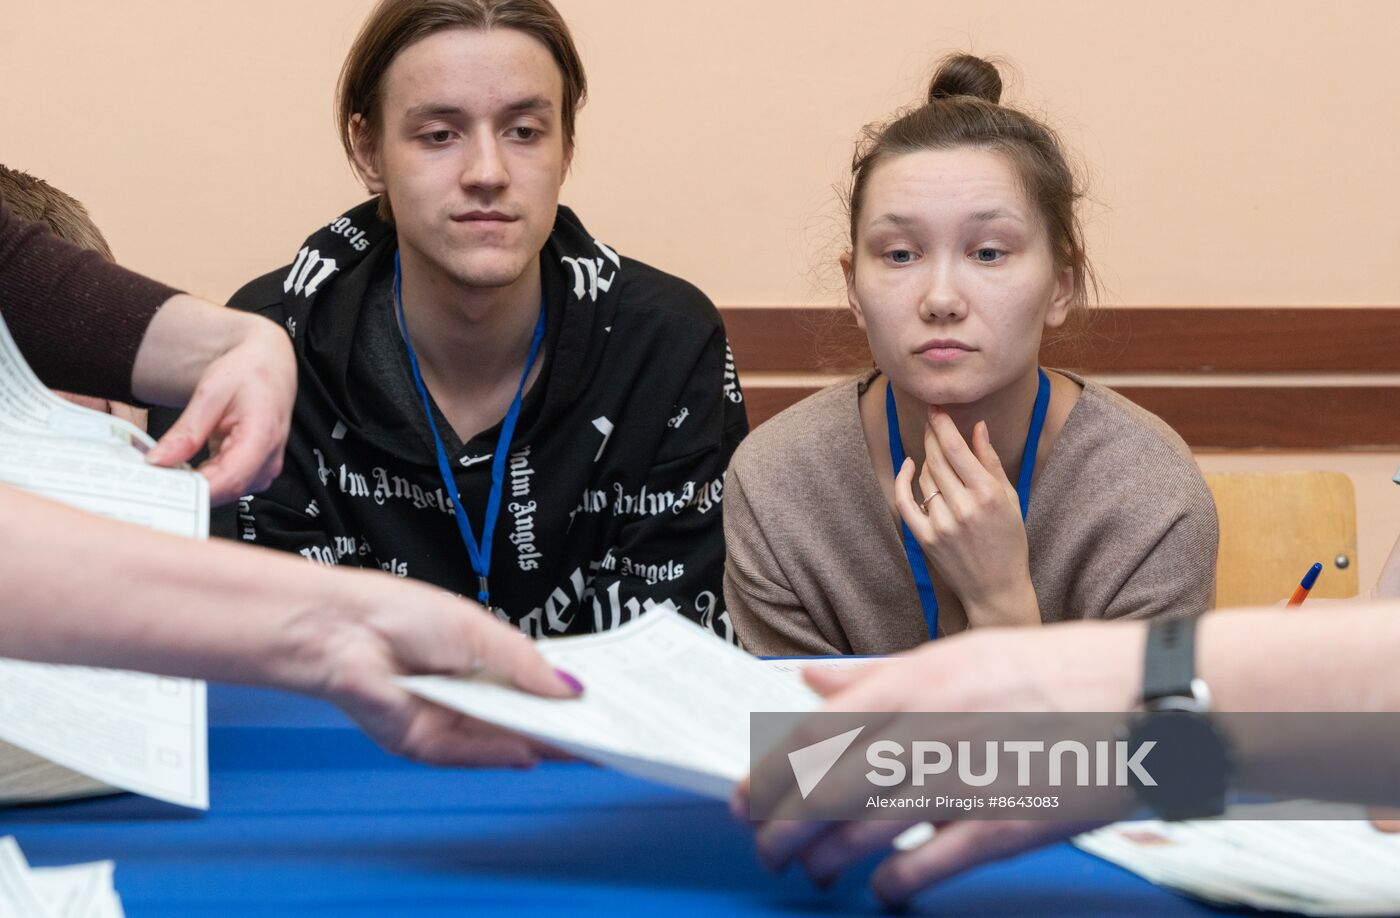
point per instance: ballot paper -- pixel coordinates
(136, 731)
(1314, 867)
(89, 459)
(99, 727)
(79, 891)
(664, 700)
(28, 406)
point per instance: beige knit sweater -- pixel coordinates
(1120, 525)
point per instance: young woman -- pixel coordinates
(958, 483)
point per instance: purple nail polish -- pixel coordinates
(570, 681)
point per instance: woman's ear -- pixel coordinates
(848, 268)
(366, 155)
(1061, 299)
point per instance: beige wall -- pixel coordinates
(1238, 153)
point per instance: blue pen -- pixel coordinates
(1309, 579)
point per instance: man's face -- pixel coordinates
(471, 153)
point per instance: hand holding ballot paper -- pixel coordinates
(1240, 654)
(666, 701)
(237, 385)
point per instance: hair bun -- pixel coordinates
(966, 75)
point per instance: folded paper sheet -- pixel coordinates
(1314, 867)
(664, 700)
(79, 891)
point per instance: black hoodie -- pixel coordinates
(611, 500)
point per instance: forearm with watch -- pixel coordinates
(1338, 662)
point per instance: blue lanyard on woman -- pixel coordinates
(480, 553)
(915, 552)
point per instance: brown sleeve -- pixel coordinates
(78, 319)
(1175, 577)
(1133, 553)
(767, 616)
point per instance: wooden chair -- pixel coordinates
(1274, 525)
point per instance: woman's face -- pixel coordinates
(951, 277)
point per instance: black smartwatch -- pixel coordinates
(1190, 761)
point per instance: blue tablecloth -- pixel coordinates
(310, 818)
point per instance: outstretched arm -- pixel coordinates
(85, 590)
(1252, 660)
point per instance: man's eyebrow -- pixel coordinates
(531, 104)
(433, 110)
(448, 110)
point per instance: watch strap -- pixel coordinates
(1169, 660)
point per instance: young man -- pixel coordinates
(490, 399)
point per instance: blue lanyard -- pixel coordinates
(480, 553)
(912, 549)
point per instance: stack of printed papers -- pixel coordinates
(80, 891)
(29, 778)
(1315, 867)
(68, 731)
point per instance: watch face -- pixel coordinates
(1189, 760)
